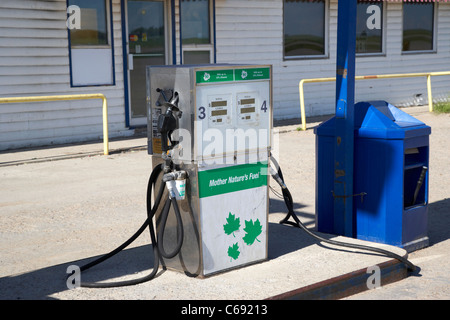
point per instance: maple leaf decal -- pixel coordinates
(233, 251)
(233, 224)
(253, 230)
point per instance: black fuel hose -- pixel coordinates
(180, 231)
(154, 240)
(290, 206)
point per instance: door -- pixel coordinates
(146, 46)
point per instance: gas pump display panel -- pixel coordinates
(230, 100)
(219, 109)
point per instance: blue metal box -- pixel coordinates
(391, 153)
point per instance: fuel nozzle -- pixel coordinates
(167, 123)
(173, 103)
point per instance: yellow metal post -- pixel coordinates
(105, 126)
(70, 97)
(302, 104)
(302, 96)
(430, 96)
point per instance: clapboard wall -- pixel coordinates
(252, 32)
(34, 60)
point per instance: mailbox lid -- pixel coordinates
(380, 119)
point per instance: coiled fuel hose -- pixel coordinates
(278, 176)
(156, 239)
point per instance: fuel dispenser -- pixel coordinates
(218, 134)
(209, 137)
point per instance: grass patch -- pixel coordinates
(442, 107)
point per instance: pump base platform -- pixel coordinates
(417, 244)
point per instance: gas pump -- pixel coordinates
(209, 137)
(220, 141)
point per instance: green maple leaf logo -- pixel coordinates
(253, 230)
(233, 224)
(233, 251)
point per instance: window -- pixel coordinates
(196, 56)
(304, 28)
(91, 47)
(418, 26)
(93, 27)
(196, 31)
(195, 22)
(369, 27)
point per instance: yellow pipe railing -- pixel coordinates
(70, 97)
(383, 76)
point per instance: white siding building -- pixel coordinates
(109, 42)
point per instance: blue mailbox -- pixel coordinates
(390, 184)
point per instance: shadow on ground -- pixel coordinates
(40, 284)
(439, 221)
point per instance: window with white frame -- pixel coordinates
(418, 26)
(369, 27)
(196, 31)
(90, 38)
(304, 28)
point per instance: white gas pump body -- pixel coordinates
(224, 134)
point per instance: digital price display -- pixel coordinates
(247, 111)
